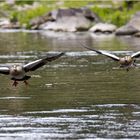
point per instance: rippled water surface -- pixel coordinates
(80, 96)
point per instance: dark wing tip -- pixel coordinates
(97, 51)
(54, 57)
(40, 62)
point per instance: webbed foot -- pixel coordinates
(15, 83)
(26, 83)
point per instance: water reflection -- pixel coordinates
(79, 96)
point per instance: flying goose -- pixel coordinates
(18, 72)
(125, 62)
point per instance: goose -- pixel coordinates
(18, 72)
(125, 62)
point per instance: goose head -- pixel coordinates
(16, 70)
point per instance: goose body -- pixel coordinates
(18, 72)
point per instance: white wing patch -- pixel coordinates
(137, 54)
(110, 55)
(4, 70)
(32, 64)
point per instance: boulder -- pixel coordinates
(73, 19)
(103, 28)
(135, 21)
(4, 21)
(132, 27)
(36, 22)
(126, 30)
(71, 24)
(137, 34)
(7, 24)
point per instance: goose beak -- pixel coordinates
(15, 70)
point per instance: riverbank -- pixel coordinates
(22, 15)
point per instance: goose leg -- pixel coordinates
(134, 64)
(26, 83)
(15, 83)
(127, 69)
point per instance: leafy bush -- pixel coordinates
(22, 2)
(24, 17)
(75, 4)
(111, 15)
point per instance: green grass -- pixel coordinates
(110, 15)
(75, 4)
(116, 16)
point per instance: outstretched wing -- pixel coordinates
(114, 57)
(4, 70)
(40, 62)
(135, 55)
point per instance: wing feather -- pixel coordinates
(112, 56)
(4, 70)
(135, 55)
(40, 62)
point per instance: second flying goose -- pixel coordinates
(125, 62)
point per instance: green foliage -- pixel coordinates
(136, 7)
(115, 16)
(30, 2)
(75, 4)
(24, 17)
(120, 18)
(6, 7)
(22, 2)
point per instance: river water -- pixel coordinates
(82, 95)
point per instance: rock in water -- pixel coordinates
(103, 28)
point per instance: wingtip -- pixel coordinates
(83, 45)
(62, 53)
(50, 58)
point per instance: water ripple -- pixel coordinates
(14, 97)
(103, 120)
(57, 111)
(34, 54)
